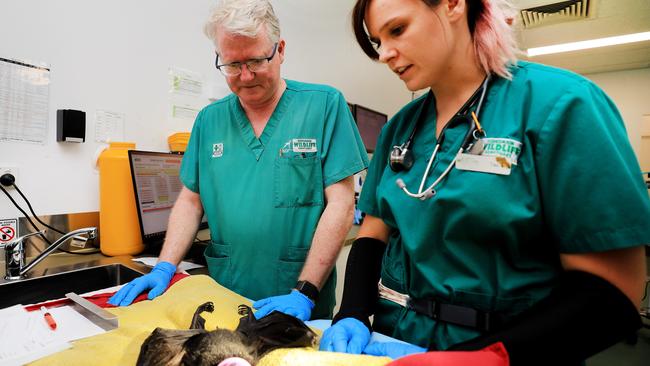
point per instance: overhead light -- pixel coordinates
(592, 43)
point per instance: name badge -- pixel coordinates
(507, 148)
(304, 145)
(484, 164)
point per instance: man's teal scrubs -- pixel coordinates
(492, 241)
(264, 196)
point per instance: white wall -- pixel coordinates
(114, 55)
(630, 90)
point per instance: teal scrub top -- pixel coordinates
(264, 196)
(492, 242)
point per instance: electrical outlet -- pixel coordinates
(13, 170)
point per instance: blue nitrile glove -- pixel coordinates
(295, 303)
(348, 335)
(392, 349)
(157, 280)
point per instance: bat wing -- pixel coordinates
(275, 330)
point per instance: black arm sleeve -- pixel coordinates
(583, 315)
(360, 291)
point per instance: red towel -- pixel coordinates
(492, 355)
(100, 300)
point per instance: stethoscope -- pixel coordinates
(401, 157)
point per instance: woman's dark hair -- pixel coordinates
(489, 24)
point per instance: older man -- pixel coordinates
(271, 165)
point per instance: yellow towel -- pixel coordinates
(304, 356)
(174, 310)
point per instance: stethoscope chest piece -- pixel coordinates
(401, 158)
(477, 147)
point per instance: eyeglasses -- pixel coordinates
(253, 65)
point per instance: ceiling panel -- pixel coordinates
(610, 18)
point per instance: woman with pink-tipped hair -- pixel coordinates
(504, 206)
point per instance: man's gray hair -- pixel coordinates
(244, 18)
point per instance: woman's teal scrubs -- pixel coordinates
(491, 241)
(264, 196)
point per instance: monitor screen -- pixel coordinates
(351, 106)
(156, 185)
(370, 124)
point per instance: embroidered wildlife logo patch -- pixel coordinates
(217, 150)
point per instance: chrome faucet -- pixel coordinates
(15, 267)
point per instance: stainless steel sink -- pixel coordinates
(54, 286)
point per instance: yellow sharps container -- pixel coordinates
(119, 229)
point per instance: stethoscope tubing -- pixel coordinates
(426, 172)
(430, 190)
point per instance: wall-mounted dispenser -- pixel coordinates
(70, 125)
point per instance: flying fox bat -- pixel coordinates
(252, 339)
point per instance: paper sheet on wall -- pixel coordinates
(185, 112)
(109, 126)
(186, 95)
(25, 97)
(185, 82)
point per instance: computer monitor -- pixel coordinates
(156, 185)
(351, 106)
(369, 123)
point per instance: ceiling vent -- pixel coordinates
(563, 11)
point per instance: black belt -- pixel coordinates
(455, 314)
